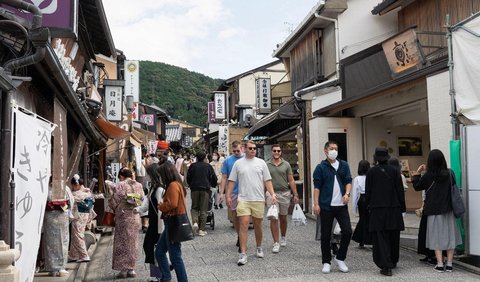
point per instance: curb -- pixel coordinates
(82, 268)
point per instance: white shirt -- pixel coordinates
(250, 175)
(358, 188)
(337, 194)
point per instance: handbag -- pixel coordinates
(108, 219)
(457, 201)
(272, 212)
(179, 228)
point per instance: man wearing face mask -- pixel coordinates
(333, 182)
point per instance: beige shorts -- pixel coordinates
(253, 208)
(283, 201)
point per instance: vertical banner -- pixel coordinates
(264, 104)
(115, 169)
(219, 100)
(152, 146)
(60, 151)
(132, 84)
(113, 103)
(223, 141)
(211, 112)
(31, 168)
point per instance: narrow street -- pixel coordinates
(214, 257)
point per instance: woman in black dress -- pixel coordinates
(361, 234)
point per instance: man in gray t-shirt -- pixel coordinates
(253, 177)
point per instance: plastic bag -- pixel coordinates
(272, 212)
(298, 217)
(337, 230)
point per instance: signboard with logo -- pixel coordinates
(263, 93)
(113, 103)
(211, 112)
(148, 119)
(402, 51)
(132, 84)
(61, 16)
(220, 111)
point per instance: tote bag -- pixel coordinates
(457, 201)
(179, 227)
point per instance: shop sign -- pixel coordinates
(223, 139)
(263, 94)
(402, 51)
(115, 169)
(148, 119)
(113, 103)
(219, 100)
(132, 84)
(31, 171)
(211, 112)
(58, 15)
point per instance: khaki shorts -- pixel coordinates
(253, 208)
(283, 201)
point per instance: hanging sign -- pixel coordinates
(223, 139)
(219, 100)
(113, 103)
(132, 84)
(211, 112)
(402, 51)
(31, 173)
(262, 87)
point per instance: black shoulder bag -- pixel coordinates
(179, 227)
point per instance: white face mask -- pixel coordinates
(332, 154)
(215, 158)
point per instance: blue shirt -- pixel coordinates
(227, 169)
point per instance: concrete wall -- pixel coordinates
(359, 29)
(439, 113)
(319, 129)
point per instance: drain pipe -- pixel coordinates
(7, 197)
(337, 42)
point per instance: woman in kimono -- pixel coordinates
(81, 209)
(127, 224)
(56, 233)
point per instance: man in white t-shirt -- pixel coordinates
(253, 177)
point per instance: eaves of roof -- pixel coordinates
(226, 83)
(328, 9)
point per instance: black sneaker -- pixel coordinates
(448, 268)
(386, 271)
(220, 206)
(215, 207)
(438, 268)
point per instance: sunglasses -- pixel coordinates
(277, 151)
(252, 148)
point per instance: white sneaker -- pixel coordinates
(276, 247)
(260, 252)
(242, 260)
(195, 228)
(283, 241)
(326, 268)
(341, 265)
(202, 233)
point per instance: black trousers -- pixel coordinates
(422, 234)
(386, 248)
(341, 214)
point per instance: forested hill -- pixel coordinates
(182, 93)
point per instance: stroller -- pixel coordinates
(210, 213)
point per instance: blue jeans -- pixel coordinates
(175, 254)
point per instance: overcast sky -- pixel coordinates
(218, 38)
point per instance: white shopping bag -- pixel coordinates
(272, 212)
(298, 217)
(337, 230)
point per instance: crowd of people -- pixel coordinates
(248, 185)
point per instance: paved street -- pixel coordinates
(214, 257)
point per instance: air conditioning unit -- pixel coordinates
(247, 119)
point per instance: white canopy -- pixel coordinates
(466, 70)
